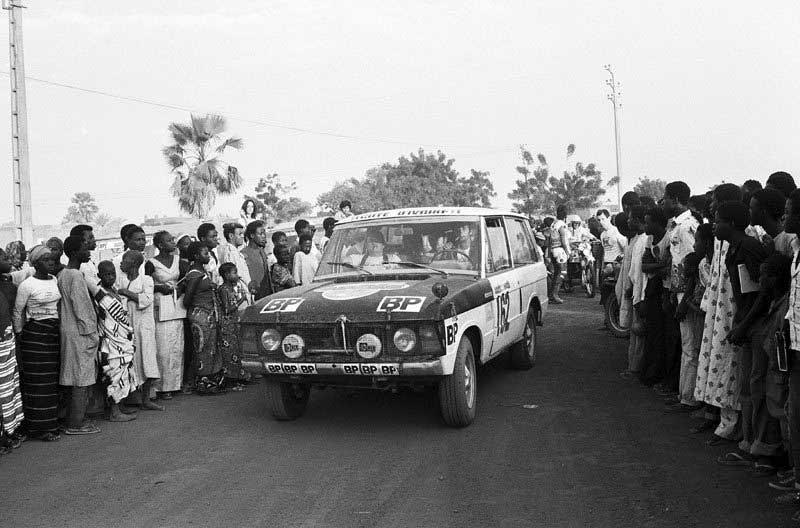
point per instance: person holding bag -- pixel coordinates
(170, 314)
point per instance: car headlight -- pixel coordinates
(293, 346)
(405, 339)
(270, 339)
(429, 340)
(368, 346)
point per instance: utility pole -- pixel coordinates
(23, 210)
(614, 96)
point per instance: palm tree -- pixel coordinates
(195, 157)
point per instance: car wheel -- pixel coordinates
(522, 355)
(287, 401)
(458, 392)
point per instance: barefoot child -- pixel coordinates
(139, 289)
(232, 298)
(116, 342)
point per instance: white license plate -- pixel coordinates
(370, 369)
(291, 368)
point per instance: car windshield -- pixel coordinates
(422, 245)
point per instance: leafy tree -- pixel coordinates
(419, 180)
(654, 188)
(195, 158)
(102, 219)
(577, 188)
(273, 199)
(82, 211)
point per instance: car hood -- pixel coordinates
(408, 298)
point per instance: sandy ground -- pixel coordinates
(595, 451)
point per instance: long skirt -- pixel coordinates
(169, 347)
(208, 364)
(229, 347)
(11, 414)
(41, 352)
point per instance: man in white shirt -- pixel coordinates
(681, 231)
(227, 251)
(303, 227)
(614, 243)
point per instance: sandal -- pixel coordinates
(47, 437)
(716, 440)
(761, 469)
(83, 430)
(733, 458)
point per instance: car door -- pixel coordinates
(502, 277)
(531, 274)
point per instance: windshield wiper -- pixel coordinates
(421, 266)
(351, 266)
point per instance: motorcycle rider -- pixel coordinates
(559, 245)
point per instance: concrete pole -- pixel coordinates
(614, 97)
(23, 210)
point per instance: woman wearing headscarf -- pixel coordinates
(36, 321)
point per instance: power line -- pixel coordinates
(271, 124)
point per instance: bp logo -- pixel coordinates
(401, 304)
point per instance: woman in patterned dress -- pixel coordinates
(233, 296)
(718, 365)
(201, 304)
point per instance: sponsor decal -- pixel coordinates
(451, 331)
(290, 304)
(410, 304)
(346, 292)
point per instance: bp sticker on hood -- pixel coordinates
(345, 292)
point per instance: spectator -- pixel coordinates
(116, 343)
(89, 268)
(233, 297)
(281, 272)
(305, 263)
(328, 225)
(698, 205)
(256, 258)
(634, 284)
(614, 242)
(345, 210)
(140, 292)
(559, 245)
(629, 200)
(79, 336)
(11, 410)
(170, 315)
(248, 213)
(656, 265)
(207, 235)
(17, 255)
(766, 211)
(782, 181)
(36, 323)
(749, 188)
(201, 304)
(233, 238)
(303, 227)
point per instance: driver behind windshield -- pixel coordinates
(375, 251)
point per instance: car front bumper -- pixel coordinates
(351, 369)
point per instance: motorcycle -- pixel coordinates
(581, 266)
(608, 298)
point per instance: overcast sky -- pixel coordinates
(710, 90)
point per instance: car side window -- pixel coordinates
(497, 254)
(520, 241)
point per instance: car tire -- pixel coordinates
(287, 401)
(458, 392)
(522, 355)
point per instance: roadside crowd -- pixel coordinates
(83, 338)
(709, 287)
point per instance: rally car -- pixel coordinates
(404, 298)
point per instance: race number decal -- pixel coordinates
(401, 304)
(502, 307)
(290, 304)
(452, 332)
